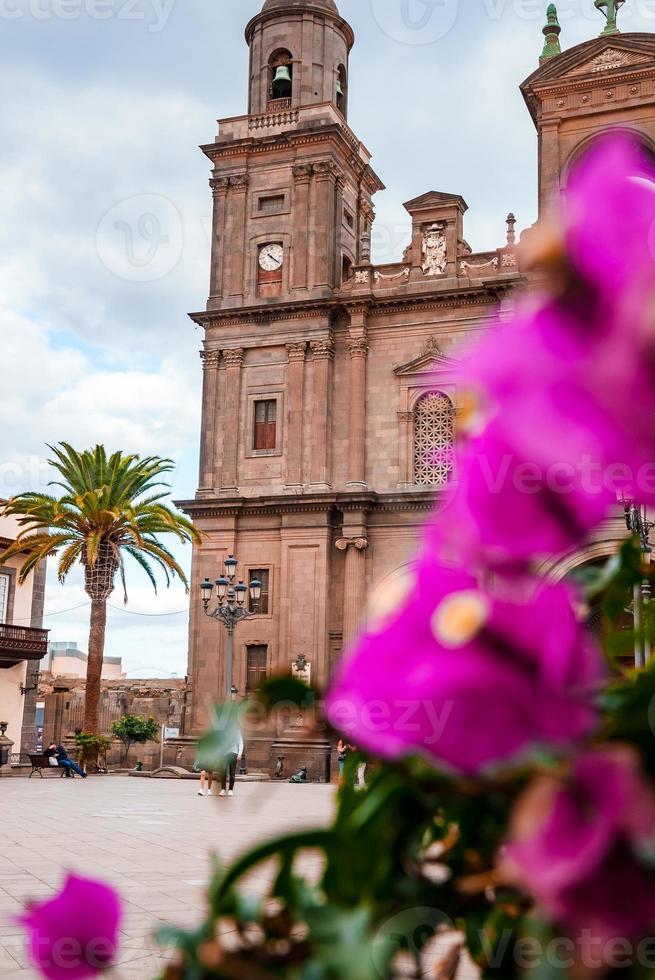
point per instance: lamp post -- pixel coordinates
(637, 523)
(230, 609)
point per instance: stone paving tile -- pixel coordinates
(151, 839)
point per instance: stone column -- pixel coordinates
(354, 594)
(323, 225)
(405, 447)
(549, 169)
(295, 394)
(358, 349)
(235, 235)
(302, 174)
(219, 186)
(366, 216)
(323, 354)
(338, 230)
(232, 420)
(210, 363)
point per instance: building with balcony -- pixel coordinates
(23, 644)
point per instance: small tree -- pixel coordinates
(91, 747)
(135, 730)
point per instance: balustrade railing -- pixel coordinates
(23, 638)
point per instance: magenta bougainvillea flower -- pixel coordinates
(608, 218)
(75, 934)
(464, 677)
(584, 846)
(548, 440)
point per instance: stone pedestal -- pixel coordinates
(6, 746)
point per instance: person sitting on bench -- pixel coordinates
(59, 753)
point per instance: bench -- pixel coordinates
(41, 762)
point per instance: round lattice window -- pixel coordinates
(434, 440)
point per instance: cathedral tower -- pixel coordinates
(298, 55)
(292, 193)
(292, 184)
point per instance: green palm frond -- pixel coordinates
(109, 506)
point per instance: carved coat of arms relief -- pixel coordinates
(435, 250)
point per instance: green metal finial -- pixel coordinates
(610, 9)
(552, 31)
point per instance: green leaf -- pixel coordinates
(285, 691)
(343, 940)
(218, 742)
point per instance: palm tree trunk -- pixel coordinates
(94, 666)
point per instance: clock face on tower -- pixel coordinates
(271, 258)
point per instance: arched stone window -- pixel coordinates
(434, 440)
(280, 79)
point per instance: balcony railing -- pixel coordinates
(22, 643)
(278, 105)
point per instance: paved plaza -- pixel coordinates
(150, 838)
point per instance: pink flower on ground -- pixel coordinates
(75, 934)
(580, 846)
(464, 677)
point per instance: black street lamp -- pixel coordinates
(637, 523)
(230, 609)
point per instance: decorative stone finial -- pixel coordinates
(610, 9)
(511, 229)
(552, 31)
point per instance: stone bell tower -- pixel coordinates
(311, 42)
(291, 182)
(292, 193)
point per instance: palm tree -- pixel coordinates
(110, 508)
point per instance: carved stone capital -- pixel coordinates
(234, 358)
(302, 172)
(327, 170)
(322, 349)
(219, 186)
(358, 346)
(297, 352)
(360, 544)
(239, 182)
(367, 213)
(210, 359)
(405, 416)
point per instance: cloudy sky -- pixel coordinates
(105, 211)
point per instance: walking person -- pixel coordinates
(344, 749)
(206, 782)
(232, 760)
(59, 753)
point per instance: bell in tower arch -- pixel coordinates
(282, 82)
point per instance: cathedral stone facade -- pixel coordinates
(328, 380)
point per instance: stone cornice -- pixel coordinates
(250, 145)
(558, 75)
(467, 296)
(415, 500)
